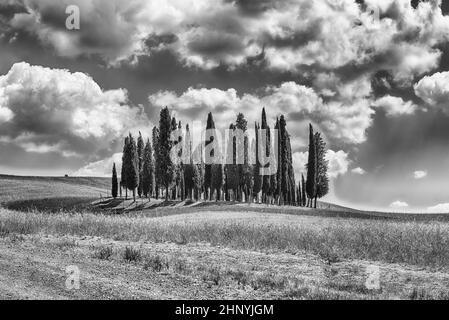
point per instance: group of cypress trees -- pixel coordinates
(149, 168)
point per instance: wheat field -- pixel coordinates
(223, 251)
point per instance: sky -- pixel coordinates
(372, 76)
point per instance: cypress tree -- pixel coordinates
(140, 147)
(157, 173)
(256, 171)
(208, 166)
(176, 173)
(303, 191)
(147, 182)
(189, 171)
(114, 182)
(232, 170)
(322, 182)
(290, 171)
(164, 162)
(245, 172)
(266, 181)
(130, 164)
(123, 170)
(279, 180)
(311, 168)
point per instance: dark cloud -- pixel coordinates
(9, 9)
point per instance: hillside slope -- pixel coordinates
(20, 187)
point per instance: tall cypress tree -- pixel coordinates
(290, 171)
(147, 182)
(311, 168)
(232, 170)
(279, 180)
(245, 172)
(266, 181)
(123, 170)
(140, 147)
(157, 173)
(303, 191)
(188, 171)
(286, 174)
(164, 162)
(130, 163)
(322, 180)
(208, 166)
(114, 182)
(258, 179)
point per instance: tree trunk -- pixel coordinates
(134, 194)
(315, 202)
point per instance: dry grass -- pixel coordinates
(14, 188)
(417, 243)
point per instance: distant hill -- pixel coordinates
(22, 187)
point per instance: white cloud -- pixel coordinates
(338, 163)
(102, 168)
(419, 174)
(399, 205)
(299, 164)
(434, 89)
(55, 110)
(439, 208)
(291, 34)
(395, 106)
(344, 122)
(5, 114)
(358, 170)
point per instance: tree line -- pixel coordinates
(148, 169)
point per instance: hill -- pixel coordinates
(24, 188)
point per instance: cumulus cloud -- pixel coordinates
(53, 110)
(434, 89)
(287, 35)
(340, 121)
(338, 163)
(101, 168)
(359, 171)
(399, 205)
(419, 174)
(395, 106)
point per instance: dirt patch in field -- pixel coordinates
(34, 267)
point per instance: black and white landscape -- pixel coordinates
(224, 149)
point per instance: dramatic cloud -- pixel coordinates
(285, 35)
(419, 174)
(399, 205)
(340, 121)
(434, 90)
(359, 171)
(395, 106)
(53, 110)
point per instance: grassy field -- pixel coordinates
(26, 188)
(211, 251)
